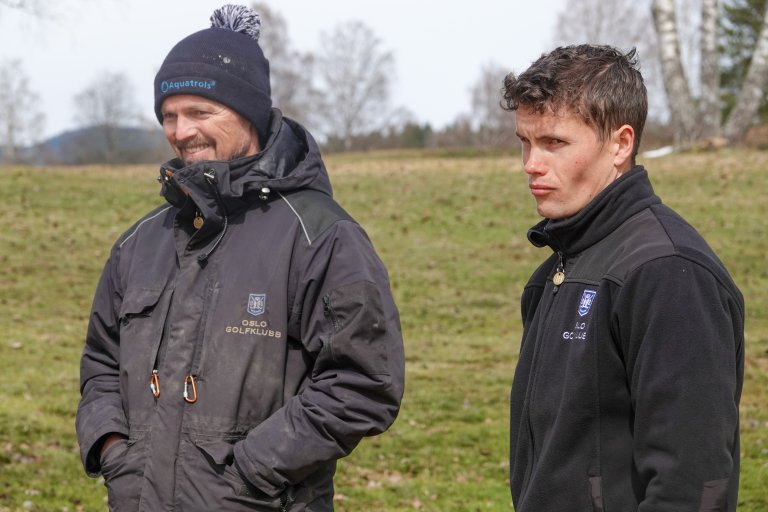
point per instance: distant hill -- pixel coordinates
(100, 144)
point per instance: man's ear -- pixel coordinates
(623, 141)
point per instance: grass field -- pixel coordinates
(450, 227)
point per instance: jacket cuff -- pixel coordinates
(248, 470)
(90, 451)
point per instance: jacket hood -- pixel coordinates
(289, 161)
(629, 194)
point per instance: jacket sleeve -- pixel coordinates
(350, 324)
(100, 411)
(681, 328)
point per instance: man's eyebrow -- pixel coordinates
(187, 108)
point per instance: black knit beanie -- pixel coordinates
(223, 63)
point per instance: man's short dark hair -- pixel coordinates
(600, 84)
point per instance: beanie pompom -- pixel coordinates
(238, 18)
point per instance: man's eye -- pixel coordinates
(556, 142)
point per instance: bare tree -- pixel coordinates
(32, 6)
(689, 37)
(681, 103)
(711, 113)
(45, 10)
(457, 134)
(107, 105)
(291, 72)
(692, 120)
(108, 100)
(355, 73)
(21, 121)
(752, 90)
(600, 22)
(494, 125)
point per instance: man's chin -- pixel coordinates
(207, 156)
(192, 161)
(196, 159)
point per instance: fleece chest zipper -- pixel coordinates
(545, 321)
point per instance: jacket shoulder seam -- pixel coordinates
(315, 211)
(141, 223)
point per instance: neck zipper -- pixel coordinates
(210, 178)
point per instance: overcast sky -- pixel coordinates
(439, 45)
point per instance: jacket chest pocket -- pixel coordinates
(142, 318)
(138, 303)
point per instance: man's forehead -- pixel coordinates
(186, 101)
(546, 117)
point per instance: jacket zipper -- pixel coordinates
(191, 379)
(210, 179)
(160, 349)
(329, 312)
(286, 499)
(560, 271)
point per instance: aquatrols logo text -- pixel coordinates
(190, 83)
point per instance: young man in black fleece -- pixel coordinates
(627, 388)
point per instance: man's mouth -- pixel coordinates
(195, 146)
(540, 190)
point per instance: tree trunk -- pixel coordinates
(681, 105)
(711, 114)
(751, 93)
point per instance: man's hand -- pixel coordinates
(109, 441)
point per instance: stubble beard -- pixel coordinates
(238, 153)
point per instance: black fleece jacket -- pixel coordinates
(626, 392)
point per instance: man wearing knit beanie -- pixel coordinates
(222, 64)
(243, 336)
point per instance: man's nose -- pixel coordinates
(532, 161)
(185, 128)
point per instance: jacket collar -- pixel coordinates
(628, 195)
(216, 189)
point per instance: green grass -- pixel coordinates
(451, 229)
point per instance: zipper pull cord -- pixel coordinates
(559, 276)
(210, 178)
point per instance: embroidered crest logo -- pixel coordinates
(587, 298)
(257, 302)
